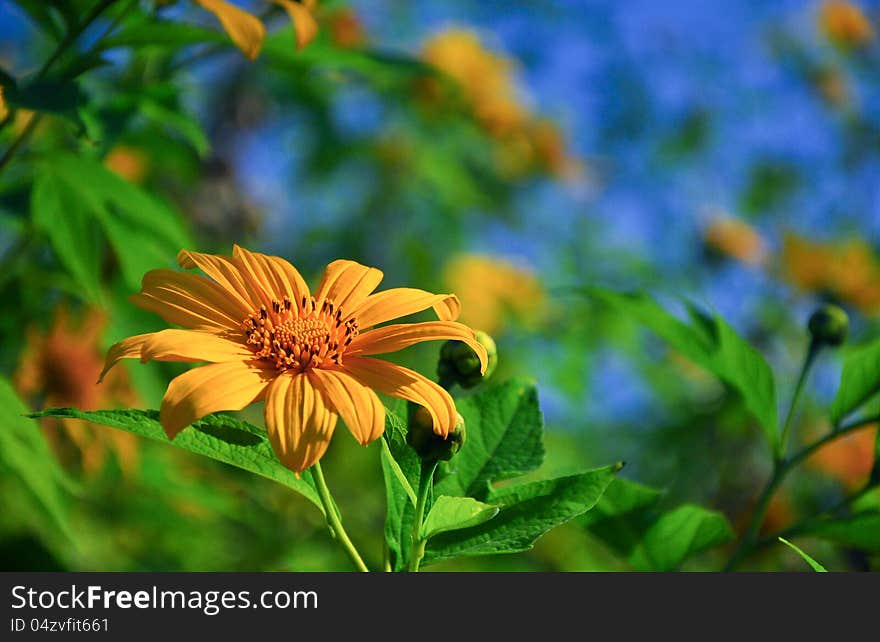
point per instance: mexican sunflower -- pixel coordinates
(307, 355)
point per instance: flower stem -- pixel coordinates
(426, 482)
(780, 470)
(333, 520)
(799, 388)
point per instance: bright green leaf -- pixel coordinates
(161, 33)
(504, 438)
(527, 511)
(809, 560)
(862, 531)
(859, 381)
(454, 513)
(217, 436)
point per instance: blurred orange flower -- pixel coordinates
(848, 459)
(267, 337)
(845, 24)
(780, 514)
(735, 238)
(59, 368)
(346, 29)
(847, 270)
(129, 162)
(492, 290)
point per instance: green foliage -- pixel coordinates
(24, 451)
(711, 343)
(75, 197)
(861, 530)
(628, 518)
(454, 513)
(809, 560)
(504, 427)
(859, 381)
(217, 436)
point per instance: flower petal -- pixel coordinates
(400, 302)
(358, 406)
(129, 348)
(245, 30)
(190, 300)
(347, 284)
(299, 421)
(304, 23)
(279, 277)
(397, 381)
(226, 273)
(391, 338)
(219, 386)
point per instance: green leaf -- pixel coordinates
(59, 97)
(217, 436)
(809, 560)
(163, 33)
(394, 467)
(527, 511)
(58, 211)
(454, 513)
(859, 380)
(711, 343)
(628, 520)
(862, 531)
(676, 535)
(24, 451)
(182, 123)
(401, 477)
(504, 438)
(40, 12)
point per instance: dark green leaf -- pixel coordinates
(40, 12)
(504, 439)
(859, 381)
(60, 97)
(862, 530)
(454, 513)
(217, 436)
(527, 511)
(161, 33)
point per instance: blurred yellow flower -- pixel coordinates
(848, 459)
(4, 110)
(492, 290)
(735, 238)
(58, 368)
(129, 162)
(850, 270)
(845, 24)
(246, 30)
(254, 319)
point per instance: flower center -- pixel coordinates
(299, 337)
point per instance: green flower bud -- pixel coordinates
(829, 325)
(460, 364)
(428, 444)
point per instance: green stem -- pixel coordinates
(333, 520)
(799, 388)
(426, 480)
(780, 470)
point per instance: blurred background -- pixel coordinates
(513, 153)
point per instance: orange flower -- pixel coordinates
(129, 162)
(735, 238)
(848, 459)
(346, 29)
(57, 368)
(268, 338)
(845, 24)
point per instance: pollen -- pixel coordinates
(300, 335)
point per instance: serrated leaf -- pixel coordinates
(859, 380)
(400, 510)
(24, 451)
(220, 437)
(628, 520)
(527, 511)
(397, 472)
(862, 531)
(711, 343)
(454, 513)
(809, 560)
(504, 439)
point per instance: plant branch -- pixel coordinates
(426, 482)
(333, 519)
